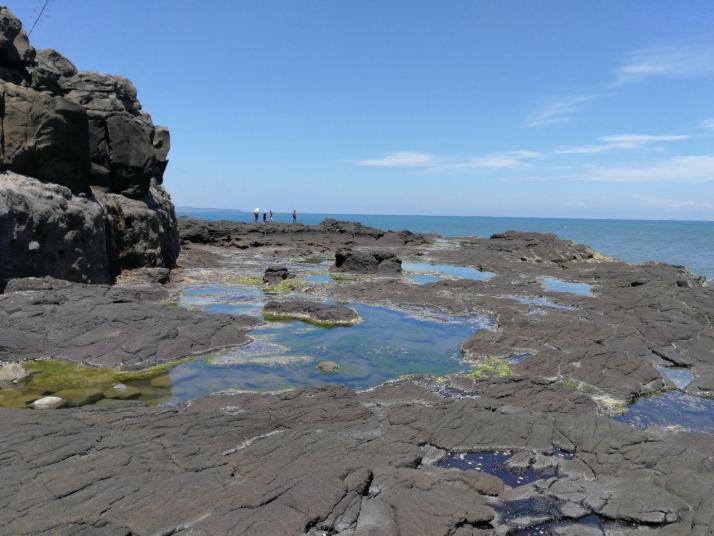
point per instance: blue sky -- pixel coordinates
(512, 108)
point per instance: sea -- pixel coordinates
(687, 243)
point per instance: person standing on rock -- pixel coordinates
(294, 216)
(271, 216)
(265, 217)
(256, 212)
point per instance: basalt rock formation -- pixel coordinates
(81, 194)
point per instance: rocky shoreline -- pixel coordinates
(178, 376)
(329, 460)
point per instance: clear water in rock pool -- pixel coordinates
(673, 408)
(422, 279)
(319, 278)
(679, 376)
(491, 462)
(553, 284)
(385, 345)
(461, 272)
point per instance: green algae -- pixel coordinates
(491, 367)
(288, 285)
(80, 384)
(270, 317)
(569, 382)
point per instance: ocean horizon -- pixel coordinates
(688, 243)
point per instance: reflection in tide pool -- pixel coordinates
(672, 408)
(387, 344)
(553, 284)
(679, 376)
(461, 272)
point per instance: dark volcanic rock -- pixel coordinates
(45, 136)
(275, 274)
(87, 132)
(45, 230)
(106, 326)
(329, 461)
(327, 236)
(367, 262)
(316, 312)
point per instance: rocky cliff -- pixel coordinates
(81, 194)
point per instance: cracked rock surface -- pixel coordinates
(330, 461)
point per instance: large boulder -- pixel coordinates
(45, 230)
(15, 47)
(367, 261)
(87, 132)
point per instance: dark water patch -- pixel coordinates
(449, 270)
(672, 409)
(491, 462)
(587, 525)
(562, 454)
(554, 284)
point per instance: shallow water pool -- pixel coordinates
(554, 284)
(673, 408)
(449, 270)
(385, 345)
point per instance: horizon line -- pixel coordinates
(451, 215)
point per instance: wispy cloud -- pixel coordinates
(679, 169)
(674, 204)
(493, 161)
(621, 142)
(399, 159)
(667, 61)
(559, 111)
(707, 124)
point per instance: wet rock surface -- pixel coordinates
(311, 311)
(106, 326)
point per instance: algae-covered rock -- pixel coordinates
(328, 366)
(74, 398)
(124, 392)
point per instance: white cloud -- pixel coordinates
(644, 138)
(399, 159)
(621, 141)
(559, 111)
(707, 124)
(680, 169)
(674, 204)
(666, 61)
(505, 160)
